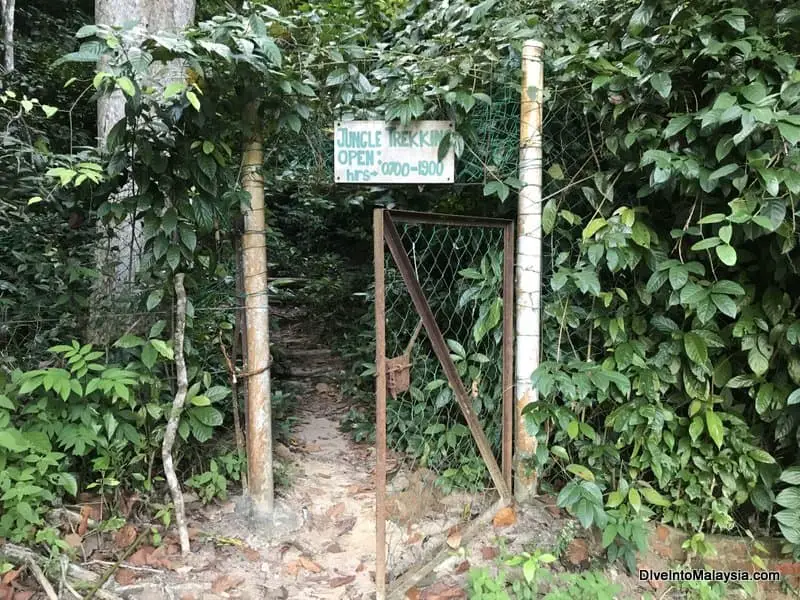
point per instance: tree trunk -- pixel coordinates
(8, 34)
(529, 262)
(118, 256)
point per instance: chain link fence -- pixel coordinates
(438, 481)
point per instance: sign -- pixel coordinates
(380, 152)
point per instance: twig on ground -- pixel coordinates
(47, 587)
(109, 572)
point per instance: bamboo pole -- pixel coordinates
(254, 259)
(529, 260)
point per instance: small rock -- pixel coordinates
(323, 388)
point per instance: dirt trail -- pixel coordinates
(332, 554)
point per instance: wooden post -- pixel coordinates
(254, 261)
(529, 259)
(380, 405)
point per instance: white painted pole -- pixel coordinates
(529, 260)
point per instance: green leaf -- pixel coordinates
(706, 244)
(68, 483)
(662, 83)
(581, 472)
(162, 348)
(727, 254)
(634, 499)
(129, 341)
(794, 398)
(173, 257)
(593, 227)
(677, 124)
(640, 18)
(790, 132)
(189, 238)
(724, 304)
(457, 348)
(641, 234)
(126, 85)
(696, 348)
(149, 357)
(791, 476)
(696, 428)
(654, 498)
(13, 440)
(556, 172)
(193, 100)
(49, 111)
(724, 147)
(615, 498)
(154, 299)
(715, 428)
(761, 456)
(723, 171)
(549, 214)
(174, 88)
(207, 415)
(755, 92)
(728, 287)
(789, 498)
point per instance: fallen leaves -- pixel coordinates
(125, 536)
(309, 565)
(505, 517)
(252, 554)
(125, 576)
(334, 549)
(454, 537)
(413, 594)
(223, 583)
(463, 567)
(577, 554)
(73, 539)
(335, 511)
(11, 576)
(302, 562)
(151, 557)
(340, 581)
(489, 553)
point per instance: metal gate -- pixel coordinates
(444, 391)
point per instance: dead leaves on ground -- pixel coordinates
(335, 511)
(454, 537)
(10, 588)
(505, 517)
(223, 583)
(294, 567)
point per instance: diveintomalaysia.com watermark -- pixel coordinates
(704, 575)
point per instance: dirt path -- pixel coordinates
(332, 554)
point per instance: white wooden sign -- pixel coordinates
(380, 152)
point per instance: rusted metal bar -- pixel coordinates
(508, 351)
(442, 352)
(420, 218)
(380, 405)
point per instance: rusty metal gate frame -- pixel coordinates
(386, 234)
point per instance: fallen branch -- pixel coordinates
(175, 415)
(20, 555)
(47, 587)
(433, 558)
(113, 569)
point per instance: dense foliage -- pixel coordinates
(670, 382)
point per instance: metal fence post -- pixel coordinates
(529, 258)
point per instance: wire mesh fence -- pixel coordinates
(441, 468)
